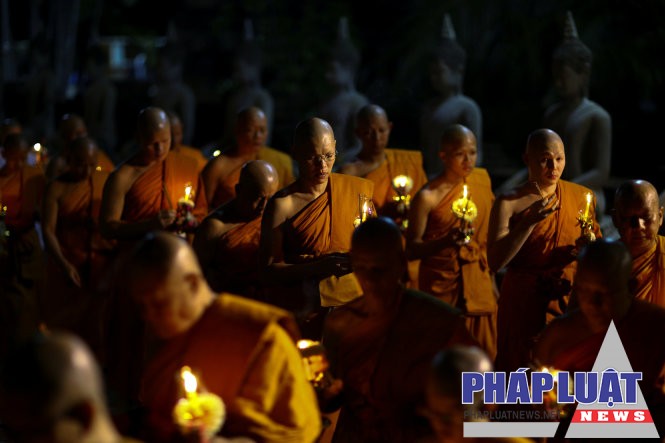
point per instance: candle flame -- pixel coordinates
(188, 191)
(37, 147)
(588, 198)
(465, 193)
(304, 344)
(188, 380)
(400, 181)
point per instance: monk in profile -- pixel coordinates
(227, 242)
(21, 255)
(381, 344)
(178, 147)
(381, 165)
(638, 216)
(306, 231)
(452, 249)
(242, 350)
(71, 127)
(222, 172)
(534, 233)
(78, 256)
(602, 289)
(142, 194)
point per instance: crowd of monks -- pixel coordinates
(114, 277)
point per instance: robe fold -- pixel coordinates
(323, 226)
(226, 189)
(460, 275)
(194, 153)
(649, 274)
(537, 283)
(244, 351)
(384, 363)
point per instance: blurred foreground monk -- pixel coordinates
(533, 232)
(78, 256)
(51, 390)
(178, 147)
(306, 231)
(21, 255)
(381, 344)
(242, 350)
(602, 289)
(451, 268)
(72, 126)
(638, 216)
(227, 242)
(140, 196)
(223, 172)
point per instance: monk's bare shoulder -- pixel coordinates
(341, 319)
(211, 227)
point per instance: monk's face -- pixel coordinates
(82, 162)
(254, 197)
(459, 157)
(374, 132)
(252, 131)
(379, 268)
(155, 145)
(14, 159)
(598, 295)
(176, 132)
(316, 158)
(74, 129)
(546, 162)
(444, 413)
(638, 220)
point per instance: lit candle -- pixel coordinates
(202, 412)
(315, 363)
(364, 211)
(465, 192)
(37, 147)
(588, 204)
(189, 382)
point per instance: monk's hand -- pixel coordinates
(73, 275)
(541, 209)
(165, 218)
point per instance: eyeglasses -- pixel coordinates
(322, 158)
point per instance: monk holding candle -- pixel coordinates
(306, 231)
(227, 242)
(447, 230)
(534, 232)
(223, 172)
(638, 216)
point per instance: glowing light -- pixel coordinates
(37, 147)
(216, 153)
(189, 380)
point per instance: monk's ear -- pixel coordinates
(660, 216)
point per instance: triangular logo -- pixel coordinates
(614, 419)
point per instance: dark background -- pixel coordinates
(508, 44)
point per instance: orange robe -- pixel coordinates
(397, 162)
(323, 226)
(384, 364)
(649, 274)
(77, 231)
(460, 275)
(194, 153)
(236, 260)
(536, 286)
(282, 162)
(243, 351)
(104, 162)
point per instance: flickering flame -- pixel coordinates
(188, 191)
(37, 147)
(188, 380)
(304, 344)
(588, 204)
(401, 181)
(465, 193)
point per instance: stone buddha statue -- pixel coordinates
(446, 65)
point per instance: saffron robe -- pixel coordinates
(243, 351)
(537, 283)
(384, 363)
(282, 162)
(323, 226)
(649, 274)
(104, 162)
(460, 275)
(196, 154)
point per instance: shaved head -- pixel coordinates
(637, 191)
(541, 140)
(369, 111)
(379, 232)
(151, 120)
(637, 215)
(455, 136)
(448, 365)
(248, 114)
(259, 174)
(310, 133)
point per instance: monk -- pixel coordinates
(306, 231)
(242, 350)
(178, 147)
(381, 165)
(222, 172)
(78, 256)
(602, 288)
(53, 391)
(21, 255)
(71, 127)
(638, 216)
(534, 233)
(454, 268)
(227, 242)
(142, 194)
(443, 408)
(380, 345)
